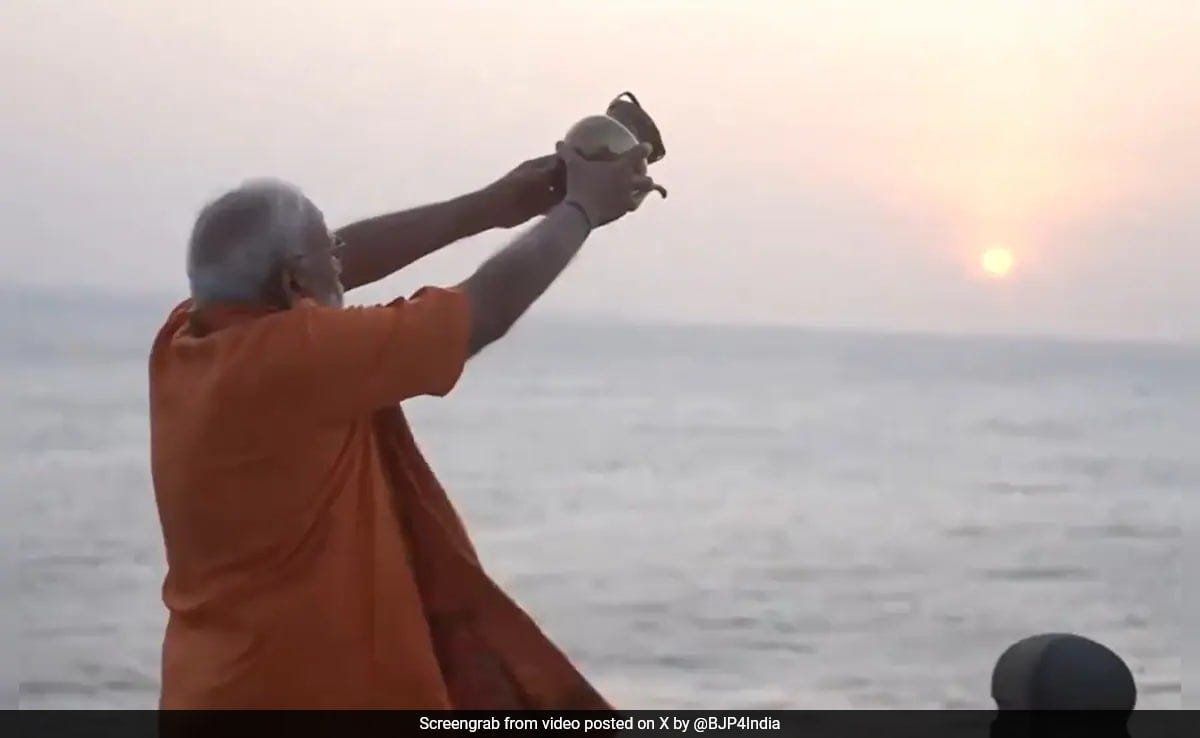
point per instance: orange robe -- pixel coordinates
(313, 559)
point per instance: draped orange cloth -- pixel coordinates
(314, 561)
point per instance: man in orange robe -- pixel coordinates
(313, 559)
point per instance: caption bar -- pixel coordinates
(659, 723)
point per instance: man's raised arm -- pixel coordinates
(597, 193)
(379, 246)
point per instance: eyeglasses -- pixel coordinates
(335, 252)
(337, 247)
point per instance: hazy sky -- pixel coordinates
(830, 163)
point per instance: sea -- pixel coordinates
(700, 516)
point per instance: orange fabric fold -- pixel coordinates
(314, 561)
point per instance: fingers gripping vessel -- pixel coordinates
(625, 124)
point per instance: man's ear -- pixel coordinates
(291, 286)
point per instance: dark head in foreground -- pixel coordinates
(1061, 672)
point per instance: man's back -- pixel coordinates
(289, 583)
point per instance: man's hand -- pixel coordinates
(598, 192)
(606, 189)
(529, 190)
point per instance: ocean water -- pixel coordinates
(700, 517)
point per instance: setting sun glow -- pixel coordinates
(997, 262)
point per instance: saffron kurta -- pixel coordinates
(314, 561)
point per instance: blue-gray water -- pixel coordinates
(701, 517)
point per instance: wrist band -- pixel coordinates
(586, 218)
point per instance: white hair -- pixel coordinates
(242, 240)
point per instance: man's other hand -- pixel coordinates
(528, 191)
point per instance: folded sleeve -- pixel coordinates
(345, 362)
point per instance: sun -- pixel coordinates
(997, 262)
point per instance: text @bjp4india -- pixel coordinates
(672, 723)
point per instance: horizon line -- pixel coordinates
(135, 298)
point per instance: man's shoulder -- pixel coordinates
(188, 324)
(175, 322)
(178, 316)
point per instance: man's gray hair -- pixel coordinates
(242, 240)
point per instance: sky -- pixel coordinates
(830, 164)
